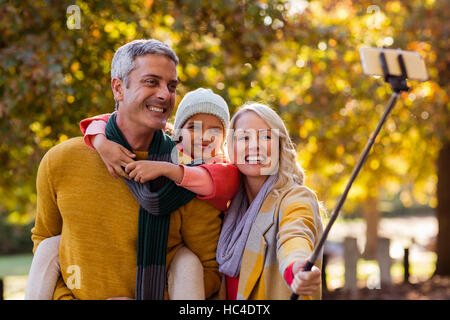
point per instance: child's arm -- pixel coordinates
(113, 154)
(96, 127)
(226, 183)
(195, 179)
(216, 183)
(146, 170)
(198, 180)
(93, 126)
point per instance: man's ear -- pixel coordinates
(117, 87)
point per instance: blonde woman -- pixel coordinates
(273, 223)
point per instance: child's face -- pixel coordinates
(202, 136)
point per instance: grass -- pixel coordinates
(14, 271)
(15, 287)
(367, 271)
(15, 265)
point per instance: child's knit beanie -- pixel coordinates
(200, 101)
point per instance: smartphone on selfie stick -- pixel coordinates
(395, 66)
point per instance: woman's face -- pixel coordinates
(202, 136)
(255, 146)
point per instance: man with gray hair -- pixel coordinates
(123, 60)
(107, 226)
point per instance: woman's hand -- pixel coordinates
(114, 155)
(305, 283)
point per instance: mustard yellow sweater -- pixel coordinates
(97, 217)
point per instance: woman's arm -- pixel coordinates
(304, 283)
(299, 229)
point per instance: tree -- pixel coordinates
(336, 107)
(52, 77)
(299, 57)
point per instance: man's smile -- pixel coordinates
(154, 108)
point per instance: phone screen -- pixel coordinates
(414, 63)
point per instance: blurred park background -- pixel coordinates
(300, 57)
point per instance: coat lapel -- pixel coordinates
(255, 248)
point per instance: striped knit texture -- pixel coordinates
(157, 199)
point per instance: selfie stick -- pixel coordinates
(398, 84)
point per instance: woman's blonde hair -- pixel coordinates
(289, 170)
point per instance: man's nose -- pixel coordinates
(163, 94)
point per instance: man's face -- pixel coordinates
(150, 97)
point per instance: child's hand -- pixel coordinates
(114, 155)
(305, 282)
(144, 170)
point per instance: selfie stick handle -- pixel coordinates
(398, 84)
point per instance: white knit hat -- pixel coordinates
(200, 101)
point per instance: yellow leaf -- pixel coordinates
(303, 132)
(191, 70)
(35, 126)
(374, 164)
(169, 20)
(68, 78)
(308, 99)
(95, 33)
(63, 137)
(406, 199)
(75, 66)
(433, 202)
(109, 27)
(79, 75)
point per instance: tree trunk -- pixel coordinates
(372, 217)
(443, 211)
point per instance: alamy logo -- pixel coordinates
(74, 280)
(74, 20)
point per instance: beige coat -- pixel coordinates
(286, 229)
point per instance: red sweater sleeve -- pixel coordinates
(226, 184)
(288, 274)
(86, 122)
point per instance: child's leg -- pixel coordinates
(44, 271)
(185, 278)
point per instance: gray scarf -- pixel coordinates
(236, 227)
